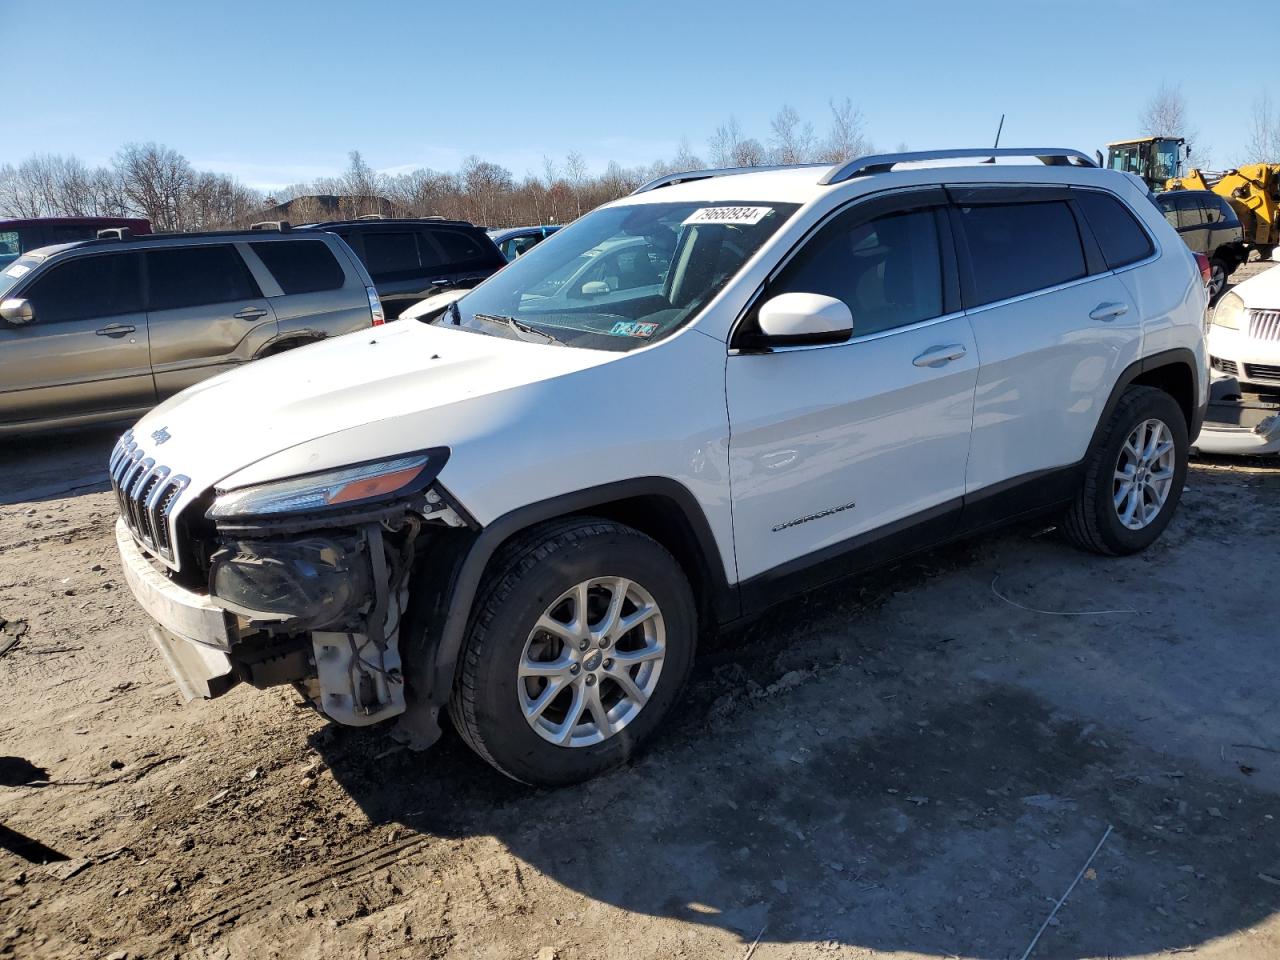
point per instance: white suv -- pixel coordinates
(528, 506)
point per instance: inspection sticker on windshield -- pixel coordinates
(633, 328)
(17, 270)
(731, 216)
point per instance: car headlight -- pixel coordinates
(332, 489)
(1229, 312)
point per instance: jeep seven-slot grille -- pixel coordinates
(1264, 324)
(146, 492)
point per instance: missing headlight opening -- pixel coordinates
(320, 600)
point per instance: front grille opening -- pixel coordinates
(1262, 372)
(146, 493)
(1226, 366)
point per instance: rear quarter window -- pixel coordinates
(1017, 248)
(1121, 237)
(300, 266)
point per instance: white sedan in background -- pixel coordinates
(1244, 336)
(1244, 356)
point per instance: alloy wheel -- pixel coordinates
(591, 662)
(1144, 474)
(1217, 280)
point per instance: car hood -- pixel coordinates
(223, 425)
(1261, 292)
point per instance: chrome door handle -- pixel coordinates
(114, 330)
(939, 356)
(1108, 311)
(250, 313)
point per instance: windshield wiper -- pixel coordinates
(519, 326)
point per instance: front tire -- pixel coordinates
(1133, 476)
(582, 638)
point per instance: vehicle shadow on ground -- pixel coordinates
(56, 464)
(885, 788)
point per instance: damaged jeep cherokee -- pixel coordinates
(527, 504)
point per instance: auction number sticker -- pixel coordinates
(731, 216)
(632, 328)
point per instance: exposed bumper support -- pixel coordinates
(199, 671)
(184, 613)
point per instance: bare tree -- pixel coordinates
(1165, 114)
(749, 153)
(575, 174)
(154, 179)
(724, 143)
(1263, 145)
(790, 139)
(685, 158)
(847, 138)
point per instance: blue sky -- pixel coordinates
(279, 92)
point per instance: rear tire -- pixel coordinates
(1113, 515)
(1218, 273)
(531, 658)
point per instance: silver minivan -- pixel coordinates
(106, 329)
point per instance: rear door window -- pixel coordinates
(1018, 248)
(300, 266)
(86, 288)
(195, 276)
(887, 270)
(1190, 212)
(462, 249)
(1121, 237)
(391, 255)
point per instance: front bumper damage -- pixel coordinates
(193, 635)
(292, 604)
(1239, 423)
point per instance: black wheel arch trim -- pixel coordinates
(1178, 356)
(463, 572)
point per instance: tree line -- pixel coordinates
(155, 181)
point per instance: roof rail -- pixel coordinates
(114, 233)
(884, 162)
(280, 226)
(371, 216)
(689, 176)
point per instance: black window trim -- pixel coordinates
(880, 203)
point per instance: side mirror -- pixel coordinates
(595, 288)
(17, 312)
(792, 319)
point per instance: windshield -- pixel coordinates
(14, 272)
(1164, 160)
(620, 277)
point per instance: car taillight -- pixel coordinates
(375, 307)
(1206, 272)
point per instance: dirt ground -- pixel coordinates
(916, 763)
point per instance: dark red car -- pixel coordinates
(19, 236)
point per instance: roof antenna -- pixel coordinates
(997, 145)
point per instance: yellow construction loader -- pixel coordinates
(1253, 190)
(1154, 159)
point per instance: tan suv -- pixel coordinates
(105, 329)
